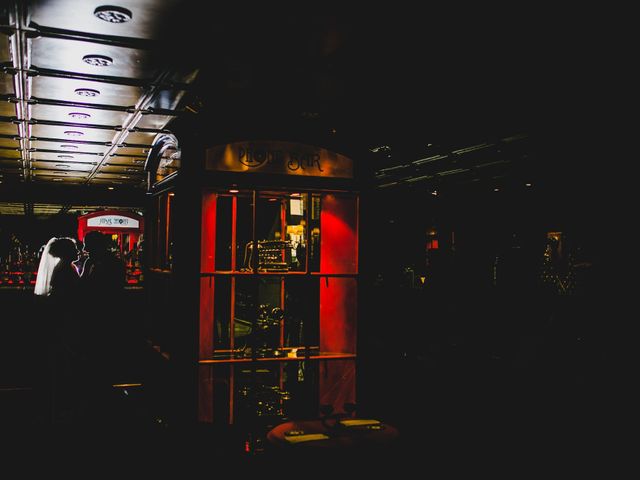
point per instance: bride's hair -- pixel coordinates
(64, 248)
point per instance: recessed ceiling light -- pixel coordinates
(233, 190)
(434, 193)
(113, 14)
(73, 133)
(496, 189)
(527, 184)
(68, 146)
(56, 179)
(79, 115)
(98, 60)
(110, 188)
(62, 165)
(65, 156)
(87, 92)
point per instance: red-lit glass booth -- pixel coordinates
(253, 281)
(127, 232)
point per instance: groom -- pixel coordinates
(102, 279)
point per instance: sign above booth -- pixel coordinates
(117, 221)
(283, 158)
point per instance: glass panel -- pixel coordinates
(281, 230)
(223, 233)
(244, 314)
(271, 392)
(222, 313)
(314, 233)
(244, 231)
(301, 326)
(339, 226)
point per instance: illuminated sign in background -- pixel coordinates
(117, 221)
(282, 158)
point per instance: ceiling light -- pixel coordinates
(73, 133)
(434, 193)
(110, 188)
(79, 115)
(429, 159)
(68, 146)
(98, 60)
(527, 184)
(87, 92)
(473, 148)
(112, 14)
(65, 156)
(381, 148)
(56, 179)
(62, 165)
(130, 169)
(496, 189)
(233, 190)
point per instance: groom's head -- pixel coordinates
(95, 243)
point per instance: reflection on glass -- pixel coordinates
(281, 232)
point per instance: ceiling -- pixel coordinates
(426, 103)
(83, 91)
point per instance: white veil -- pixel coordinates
(45, 270)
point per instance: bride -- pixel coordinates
(56, 272)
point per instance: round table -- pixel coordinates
(338, 435)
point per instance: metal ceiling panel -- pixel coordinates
(6, 84)
(8, 128)
(66, 157)
(10, 153)
(150, 120)
(7, 109)
(49, 178)
(10, 162)
(91, 58)
(108, 181)
(126, 161)
(5, 51)
(93, 116)
(124, 169)
(65, 167)
(85, 91)
(120, 176)
(128, 151)
(142, 21)
(72, 132)
(46, 209)
(67, 145)
(9, 142)
(49, 173)
(140, 138)
(166, 99)
(11, 208)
